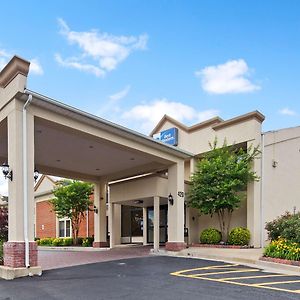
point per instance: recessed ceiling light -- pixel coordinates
(132, 158)
(97, 169)
(58, 160)
(91, 147)
(39, 131)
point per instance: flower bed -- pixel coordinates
(220, 246)
(283, 249)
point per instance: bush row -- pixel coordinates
(238, 236)
(85, 242)
(1, 252)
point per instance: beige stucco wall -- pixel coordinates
(281, 184)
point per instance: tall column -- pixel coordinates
(14, 249)
(111, 224)
(145, 225)
(254, 202)
(156, 223)
(100, 239)
(176, 211)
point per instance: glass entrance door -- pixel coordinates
(163, 224)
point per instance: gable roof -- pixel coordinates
(41, 180)
(216, 122)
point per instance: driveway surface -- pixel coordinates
(154, 277)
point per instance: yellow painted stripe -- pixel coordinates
(226, 272)
(256, 276)
(278, 282)
(203, 268)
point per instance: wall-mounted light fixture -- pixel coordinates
(171, 199)
(95, 210)
(7, 172)
(36, 175)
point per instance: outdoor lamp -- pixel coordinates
(36, 174)
(171, 200)
(7, 172)
(95, 209)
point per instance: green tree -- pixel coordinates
(71, 200)
(221, 174)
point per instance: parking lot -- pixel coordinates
(154, 277)
(244, 276)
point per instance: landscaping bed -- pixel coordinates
(281, 261)
(65, 242)
(220, 246)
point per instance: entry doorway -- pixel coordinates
(163, 224)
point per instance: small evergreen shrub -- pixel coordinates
(239, 236)
(210, 236)
(88, 242)
(68, 241)
(45, 242)
(58, 242)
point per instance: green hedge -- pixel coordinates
(283, 249)
(210, 236)
(239, 236)
(1, 252)
(56, 242)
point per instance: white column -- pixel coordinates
(16, 186)
(176, 211)
(100, 215)
(156, 223)
(145, 225)
(111, 224)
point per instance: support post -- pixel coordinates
(145, 225)
(156, 223)
(176, 211)
(100, 239)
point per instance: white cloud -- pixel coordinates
(35, 67)
(112, 105)
(3, 186)
(106, 51)
(230, 77)
(144, 117)
(288, 112)
(75, 64)
(121, 94)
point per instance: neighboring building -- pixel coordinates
(278, 167)
(46, 222)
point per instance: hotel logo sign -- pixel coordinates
(169, 136)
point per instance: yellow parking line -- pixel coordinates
(277, 282)
(202, 268)
(225, 272)
(256, 276)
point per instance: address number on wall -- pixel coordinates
(180, 194)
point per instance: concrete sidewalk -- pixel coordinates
(249, 257)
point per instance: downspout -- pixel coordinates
(25, 181)
(262, 233)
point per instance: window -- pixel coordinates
(64, 227)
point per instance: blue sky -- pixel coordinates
(133, 61)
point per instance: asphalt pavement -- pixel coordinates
(154, 277)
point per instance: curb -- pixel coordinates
(264, 265)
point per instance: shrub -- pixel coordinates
(239, 236)
(284, 249)
(46, 241)
(79, 241)
(58, 242)
(286, 226)
(68, 241)
(210, 236)
(3, 223)
(88, 242)
(1, 252)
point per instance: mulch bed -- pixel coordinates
(281, 261)
(219, 246)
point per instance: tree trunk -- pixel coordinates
(224, 224)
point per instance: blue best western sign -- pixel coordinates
(169, 136)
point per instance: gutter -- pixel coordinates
(25, 181)
(262, 231)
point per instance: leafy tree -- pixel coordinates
(72, 200)
(220, 176)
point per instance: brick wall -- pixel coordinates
(45, 220)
